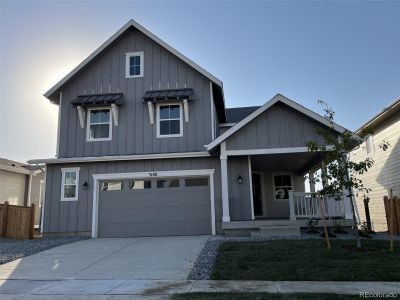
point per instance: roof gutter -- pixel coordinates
(392, 107)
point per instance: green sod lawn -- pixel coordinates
(307, 260)
(261, 296)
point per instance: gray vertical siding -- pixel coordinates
(239, 194)
(76, 216)
(134, 134)
(277, 208)
(278, 127)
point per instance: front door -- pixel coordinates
(257, 195)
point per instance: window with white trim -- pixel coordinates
(282, 186)
(99, 127)
(69, 184)
(169, 120)
(134, 64)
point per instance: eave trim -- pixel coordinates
(118, 158)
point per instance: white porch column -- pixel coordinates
(224, 184)
(311, 181)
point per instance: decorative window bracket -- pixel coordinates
(150, 105)
(186, 110)
(81, 114)
(114, 110)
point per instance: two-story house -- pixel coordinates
(146, 147)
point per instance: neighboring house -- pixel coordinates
(385, 173)
(146, 147)
(21, 184)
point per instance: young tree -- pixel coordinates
(341, 172)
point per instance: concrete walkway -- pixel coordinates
(160, 289)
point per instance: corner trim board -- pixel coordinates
(251, 187)
(212, 113)
(44, 200)
(152, 174)
(59, 126)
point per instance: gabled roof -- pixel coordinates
(50, 93)
(386, 112)
(259, 111)
(237, 114)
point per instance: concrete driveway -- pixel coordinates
(153, 258)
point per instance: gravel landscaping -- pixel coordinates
(205, 261)
(13, 249)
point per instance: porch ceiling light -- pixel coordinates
(240, 179)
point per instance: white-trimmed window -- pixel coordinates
(69, 184)
(134, 64)
(282, 186)
(169, 120)
(99, 124)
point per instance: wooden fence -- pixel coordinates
(17, 222)
(392, 208)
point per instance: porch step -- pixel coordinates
(277, 232)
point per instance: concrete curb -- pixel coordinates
(24, 288)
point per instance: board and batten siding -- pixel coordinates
(239, 194)
(280, 126)
(384, 174)
(134, 133)
(76, 216)
(271, 207)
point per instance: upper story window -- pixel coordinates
(282, 186)
(69, 184)
(134, 64)
(99, 127)
(169, 120)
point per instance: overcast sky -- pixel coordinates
(345, 53)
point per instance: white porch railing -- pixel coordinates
(308, 205)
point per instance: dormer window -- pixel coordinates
(134, 64)
(169, 120)
(99, 124)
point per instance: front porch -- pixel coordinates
(278, 193)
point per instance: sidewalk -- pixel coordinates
(160, 289)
